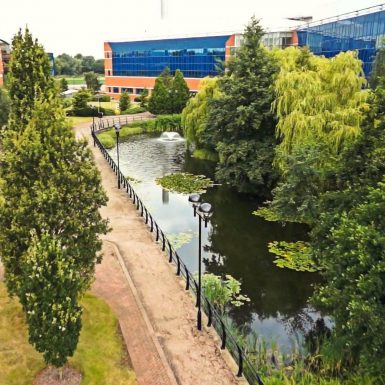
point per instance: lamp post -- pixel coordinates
(93, 123)
(204, 211)
(117, 130)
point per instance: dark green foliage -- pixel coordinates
(102, 98)
(353, 253)
(124, 101)
(169, 95)
(49, 185)
(67, 65)
(180, 93)
(53, 314)
(160, 100)
(378, 70)
(80, 105)
(29, 78)
(92, 82)
(4, 107)
(168, 122)
(166, 77)
(50, 195)
(63, 85)
(240, 122)
(143, 98)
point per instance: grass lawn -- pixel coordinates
(76, 80)
(112, 105)
(99, 355)
(75, 120)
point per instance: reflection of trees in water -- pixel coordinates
(238, 246)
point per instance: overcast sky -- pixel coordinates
(81, 26)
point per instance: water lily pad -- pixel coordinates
(184, 183)
(180, 239)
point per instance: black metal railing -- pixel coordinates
(100, 124)
(228, 340)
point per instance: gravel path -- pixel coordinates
(194, 357)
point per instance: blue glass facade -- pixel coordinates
(196, 57)
(363, 33)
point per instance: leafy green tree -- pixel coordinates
(4, 107)
(50, 195)
(195, 114)
(378, 70)
(180, 93)
(160, 100)
(92, 82)
(124, 102)
(318, 99)
(80, 100)
(63, 85)
(167, 77)
(99, 66)
(240, 122)
(49, 185)
(67, 65)
(29, 78)
(87, 64)
(143, 98)
(353, 253)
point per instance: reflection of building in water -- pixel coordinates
(165, 196)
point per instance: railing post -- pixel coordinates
(163, 242)
(146, 216)
(178, 265)
(152, 224)
(187, 279)
(210, 313)
(240, 363)
(170, 249)
(223, 346)
(157, 232)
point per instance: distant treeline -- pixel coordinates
(77, 65)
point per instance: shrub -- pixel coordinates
(102, 98)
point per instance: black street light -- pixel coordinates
(117, 130)
(204, 211)
(93, 123)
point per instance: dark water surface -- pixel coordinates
(235, 241)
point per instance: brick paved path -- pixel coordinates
(194, 357)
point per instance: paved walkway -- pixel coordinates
(156, 299)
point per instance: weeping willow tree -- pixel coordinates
(318, 100)
(194, 115)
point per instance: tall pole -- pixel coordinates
(200, 275)
(117, 149)
(93, 125)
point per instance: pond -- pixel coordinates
(235, 241)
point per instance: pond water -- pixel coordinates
(235, 241)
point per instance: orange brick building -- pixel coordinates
(4, 59)
(133, 66)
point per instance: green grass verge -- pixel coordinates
(78, 80)
(206, 155)
(75, 120)
(108, 138)
(98, 356)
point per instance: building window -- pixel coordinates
(116, 90)
(107, 55)
(108, 72)
(139, 91)
(109, 89)
(128, 90)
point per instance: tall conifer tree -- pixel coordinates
(240, 121)
(50, 193)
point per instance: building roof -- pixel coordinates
(177, 43)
